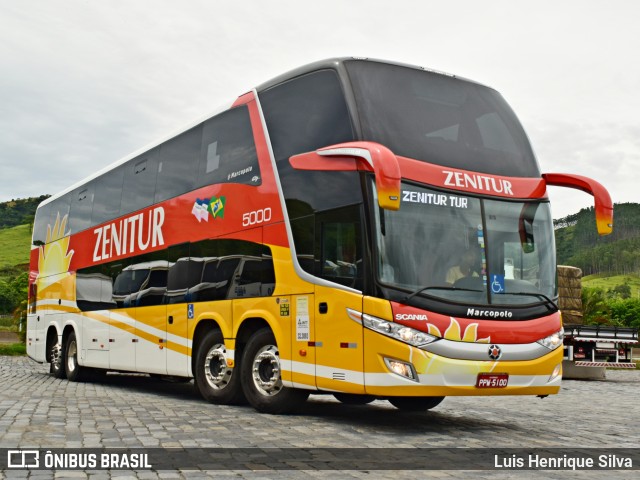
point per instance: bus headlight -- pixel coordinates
(390, 329)
(553, 341)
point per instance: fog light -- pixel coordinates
(401, 368)
(556, 373)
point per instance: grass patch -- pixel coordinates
(6, 321)
(12, 349)
(16, 246)
(607, 283)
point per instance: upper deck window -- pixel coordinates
(440, 119)
(302, 115)
(228, 151)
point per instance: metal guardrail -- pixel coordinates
(602, 332)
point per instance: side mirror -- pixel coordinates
(525, 227)
(602, 199)
(367, 156)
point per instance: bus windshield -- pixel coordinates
(467, 250)
(440, 119)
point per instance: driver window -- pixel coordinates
(340, 246)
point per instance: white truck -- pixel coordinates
(599, 345)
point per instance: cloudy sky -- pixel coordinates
(85, 83)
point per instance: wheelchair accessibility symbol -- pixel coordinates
(497, 283)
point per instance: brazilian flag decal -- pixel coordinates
(216, 207)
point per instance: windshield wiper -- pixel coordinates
(545, 300)
(422, 289)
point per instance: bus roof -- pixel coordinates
(333, 63)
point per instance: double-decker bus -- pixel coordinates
(355, 227)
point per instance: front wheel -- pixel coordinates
(261, 376)
(216, 381)
(415, 404)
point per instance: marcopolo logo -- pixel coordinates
(474, 312)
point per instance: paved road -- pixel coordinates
(39, 411)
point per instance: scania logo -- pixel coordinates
(495, 352)
(411, 316)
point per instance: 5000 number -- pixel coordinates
(256, 217)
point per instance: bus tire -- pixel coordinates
(215, 380)
(261, 376)
(74, 372)
(56, 367)
(354, 399)
(415, 404)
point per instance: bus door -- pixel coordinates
(176, 347)
(34, 349)
(122, 349)
(339, 340)
(164, 313)
(150, 302)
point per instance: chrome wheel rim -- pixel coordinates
(216, 370)
(266, 371)
(72, 353)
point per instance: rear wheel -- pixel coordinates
(216, 381)
(262, 376)
(74, 371)
(415, 404)
(57, 364)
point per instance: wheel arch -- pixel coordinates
(203, 327)
(51, 340)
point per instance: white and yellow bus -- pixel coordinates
(354, 227)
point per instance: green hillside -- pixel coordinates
(608, 283)
(578, 243)
(14, 246)
(19, 212)
(16, 218)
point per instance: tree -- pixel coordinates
(594, 306)
(13, 292)
(621, 291)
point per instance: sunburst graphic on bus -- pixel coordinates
(54, 258)
(436, 365)
(454, 332)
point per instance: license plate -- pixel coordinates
(492, 380)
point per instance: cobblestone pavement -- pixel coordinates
(131, 411)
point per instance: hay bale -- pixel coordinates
(569, 272)
(570, 294)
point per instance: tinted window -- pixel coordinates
(202, 271)
(133, 282)
(108, 193)
(306, 113)
(182, 273)
(81, 207)
(228, 152)
(40, 225)
(58, 209)
(178, 164)
(340, 246)
(94, 289)
(329, 245)
(225, 262)
(302, 115)
(139, 182)
(440, 119)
